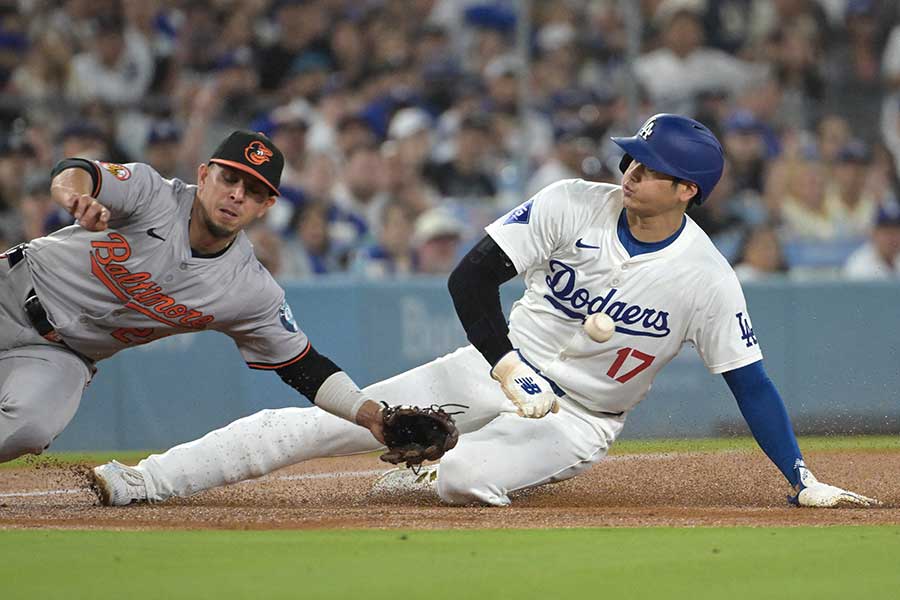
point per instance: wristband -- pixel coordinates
(340, 396)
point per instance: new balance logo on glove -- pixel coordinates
(528, 385)
(519, 382)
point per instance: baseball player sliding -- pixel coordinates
(148, 258)
(618, 279)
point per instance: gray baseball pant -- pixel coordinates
(41, 382)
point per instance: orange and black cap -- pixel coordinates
(252, 153)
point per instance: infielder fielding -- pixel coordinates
(548, 396)
(151, 257)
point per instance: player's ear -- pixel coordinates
(265, 206)
(202, 173)
(687, 190)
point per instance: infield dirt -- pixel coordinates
(679, 489)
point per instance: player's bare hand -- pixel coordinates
(815, 494)
(88, 213)
(530, 392)
(370, 417)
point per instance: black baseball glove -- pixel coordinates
(413, 435)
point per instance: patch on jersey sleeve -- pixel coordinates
(120, 172)
(287, 318)
(746, 327)
(520, 214)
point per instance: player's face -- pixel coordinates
(648, 193)
(229, 199)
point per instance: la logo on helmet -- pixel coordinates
(647, 130)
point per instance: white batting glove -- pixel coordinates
(526, 389)
(813, 493)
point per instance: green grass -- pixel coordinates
(868, 442)
(128, 457)
(735, 563)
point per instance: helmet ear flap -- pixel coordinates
(623, 164)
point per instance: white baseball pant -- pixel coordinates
(498, 451)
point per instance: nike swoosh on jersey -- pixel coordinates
(153, 234)
(580, 244)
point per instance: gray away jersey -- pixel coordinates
(137, 282)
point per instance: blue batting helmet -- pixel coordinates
(677, 146)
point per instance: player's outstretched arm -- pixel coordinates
(328, 387)
(765, 413)
(475, 288)
(412, 435)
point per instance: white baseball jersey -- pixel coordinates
(137, 280)
(565, 242)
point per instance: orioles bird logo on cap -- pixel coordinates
(257, 153)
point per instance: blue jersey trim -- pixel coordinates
(634, 246)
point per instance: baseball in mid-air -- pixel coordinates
(599, 327)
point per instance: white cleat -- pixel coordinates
(119, 485)
(405, 480)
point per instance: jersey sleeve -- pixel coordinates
(125, 189)
(269, 337)
(529, 233)
(722, 331)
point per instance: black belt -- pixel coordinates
(14, 255)
(38, 317)
(35, 312)
(33, 308)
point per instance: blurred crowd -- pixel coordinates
(408, 125)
